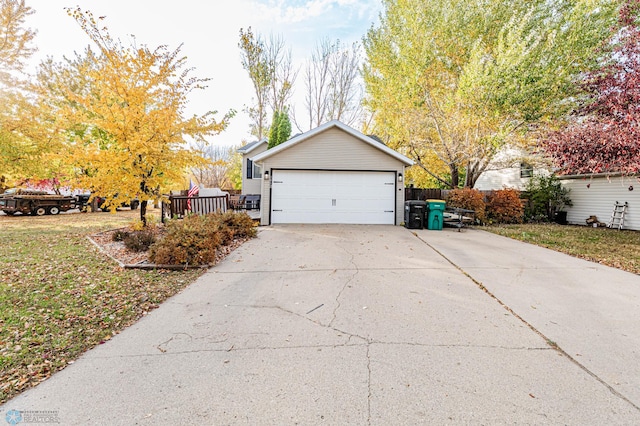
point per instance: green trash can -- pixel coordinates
(435, 212)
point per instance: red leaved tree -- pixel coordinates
(604, 136)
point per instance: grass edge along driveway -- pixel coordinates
(59, 296)
(611, 247)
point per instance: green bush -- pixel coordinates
(139, 240)
(545, 196)
(467, 198)
(504, 206)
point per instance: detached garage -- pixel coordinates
(332, 174)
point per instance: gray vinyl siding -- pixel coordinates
(599, 197)
(336, 150)
(332, 151)
(265, 199)
(251, 186)
(492, 180)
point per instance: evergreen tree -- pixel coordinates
(280, 129)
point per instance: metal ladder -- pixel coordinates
(617, 217)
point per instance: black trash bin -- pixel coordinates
(414, 214)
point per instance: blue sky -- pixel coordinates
(209, 33)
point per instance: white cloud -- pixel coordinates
(284, 12)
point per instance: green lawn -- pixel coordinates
(59, 296)
(620, 249)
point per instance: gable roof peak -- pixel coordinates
(333, 123)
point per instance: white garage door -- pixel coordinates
(306, 196)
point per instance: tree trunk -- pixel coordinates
(143, 212)
(455, 175)
(474, 171)
(472, 177)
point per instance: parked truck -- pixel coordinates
(37, 203)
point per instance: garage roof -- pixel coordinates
(251, 146)
(333, 123)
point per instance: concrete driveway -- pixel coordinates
(370, 325)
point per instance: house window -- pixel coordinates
(526, 170)
(254, 171)
(257, 171)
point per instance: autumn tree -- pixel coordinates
(234, 168)
(280, 130)
(603, 135)
(452, 82)
(331, 80)
(122, 110)
(283, 76)
(15, 48)
(216, 172)
(15, 39)
(270, 69)
(254, 61)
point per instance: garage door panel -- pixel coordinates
(359, 205)
(332, 197)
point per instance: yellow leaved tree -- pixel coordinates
(120, 111)
(450, 83)
(16, 150)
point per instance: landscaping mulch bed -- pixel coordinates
(132, 259)
(117, 249)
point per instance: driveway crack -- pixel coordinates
(163, 346)
(368, 383)
(316, 322)
(228, 350)
(347, 282)
(466, 345)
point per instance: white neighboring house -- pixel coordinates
(508, 169)
(210, 205)
(251, 172)
(591, 194)
(596, 195)
(211, 192)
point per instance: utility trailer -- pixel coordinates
(37, 203)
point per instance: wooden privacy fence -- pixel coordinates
(181, 205)
(423, 194)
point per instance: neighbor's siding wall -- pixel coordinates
(499, 179)
(251, 186)
(597, 196)
(333, 149)
(504, 171)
